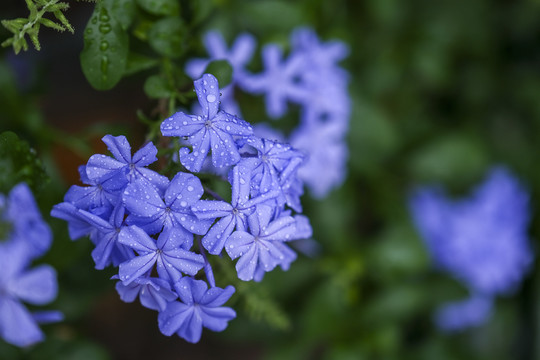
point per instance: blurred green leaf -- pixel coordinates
(166, 36)
(222, 70)
(123, 11)
(18, 162)
(453, 159)
(272, 14)
(156, 87)
(161, 7)
(137, 62)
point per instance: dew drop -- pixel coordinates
(211, 98)
(104, 45)
(105, 28)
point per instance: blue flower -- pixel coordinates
(105, 235)
(274, 167)
(232, 216)
(92, 196)
(150, 211)
(470, 312)
(115, 173)
(212, 131)
(262, 248)
(166, 253)
(78, 224)
(198, 307)
(480, 240)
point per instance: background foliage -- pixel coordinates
(441, 91)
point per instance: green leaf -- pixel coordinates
(167, 35)
(18, 162)
(51, 24)
(222, 70)
(60, 16)
(200, 9)
(156, 87)
(455, 160)
(161, 7)
(14, 25)
(123, 11)
(137, 62)
(272, 14)
(104, 57)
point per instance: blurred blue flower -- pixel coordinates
(27, 238)
(238, 56)
(279, 81)
(481, 240)
(27, 225)
(470, 312)
(326, 161)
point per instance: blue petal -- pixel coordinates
(239, 243)
(77, 225)
(105, 246)
(191, 329)
(192, 224)
(37, 286)
(216, 296)
(17, 326)
(232, 125)
(281, 229)
(145, 155)
(132, 269)
(247, 264)
(156, 294)
(185, 261)
(137, 239)
(218, 234)
(180, 124)
(210, 209)
(207, 89)
(173, 317)
(183, 191)
(216, 319)
(193, 161)
(143, 200)
(101, 167)
(224, 150)
(119, 147)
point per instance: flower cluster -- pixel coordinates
(160, 232)
(481, 240)
(24, 238)
(309, 77)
